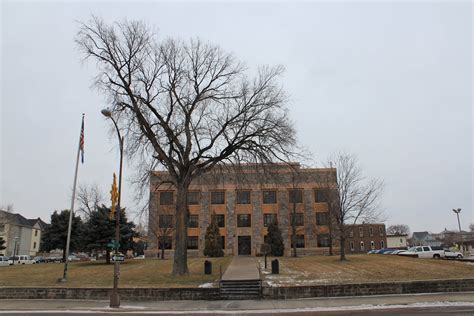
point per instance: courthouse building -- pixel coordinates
(245, 201)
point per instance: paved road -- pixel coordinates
(241, 268)
(418, 304)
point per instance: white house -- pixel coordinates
(397, 241)
(20, 232)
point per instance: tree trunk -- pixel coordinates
(107, 256)
(180, 261)
(342, 247)
(162, 252)
(331, 253)
(293, 230)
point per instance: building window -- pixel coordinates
(352, 245)
(351, 233)
(217, 197)
(193, 221)
(361, 232)
(321, 219)
(269, 218)
(34, 245)
(243, 197)
(220, 220)
(362, 247)
(165, 242)
(223, 242)
(298, 219)
(320, 196)
(323, 240)
(165, 221)
(2, 228)
(299, 241)
(269, 197)
(166, 198)
(382, 244)
(371, 231)
(401, 241)
(192, 242)
(381, 230)
(372, 245)
(194, 197)
(244, 220)
(36, 233)
(295, 196)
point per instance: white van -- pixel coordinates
(4, 261)
(23, 259)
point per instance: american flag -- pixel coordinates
(81, 140)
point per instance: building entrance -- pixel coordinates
(244, 244)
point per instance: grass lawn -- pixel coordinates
(313, 270)
(133, 273)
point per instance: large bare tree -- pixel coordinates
(352, 198)
(90, 198)
(398, 229)
(186, 106)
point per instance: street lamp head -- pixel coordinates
(457, 211)
(106, 113)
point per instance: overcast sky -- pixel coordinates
(389, 82)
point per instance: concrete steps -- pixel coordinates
(240, 289)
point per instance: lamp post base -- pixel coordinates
(114, 299)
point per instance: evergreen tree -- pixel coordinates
(100, 230)
(55, 235)
(2, 242)
(275, 240)
(212, 244)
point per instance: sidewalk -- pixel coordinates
(319, 304)
(241, 268)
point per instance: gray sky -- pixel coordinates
(391, 83)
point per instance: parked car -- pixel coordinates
(73, 258)
(396, 252)
(4, 261)
(22, 259)
(424, 252)
(372, 252)
(452, 254)
(39, 259)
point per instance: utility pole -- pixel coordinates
(457, 211)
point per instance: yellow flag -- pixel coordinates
(113, 198)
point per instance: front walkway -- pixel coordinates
(242, 268)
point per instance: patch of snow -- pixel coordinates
(206, 285)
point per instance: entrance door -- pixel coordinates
(244, 243)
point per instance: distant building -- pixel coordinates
(245, 201)
(24, 233)
(365, 237)
(398, 241)
(424, 239)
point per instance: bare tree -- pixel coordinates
(9, 208)
(398, 229)
(89, 199)
(161, 227)
(186, 106)
(352, 198)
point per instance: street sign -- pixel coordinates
(113, 244)
(118, 258)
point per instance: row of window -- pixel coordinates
(371, 232)
(322, 241)
(362, 245)
(243, 197)
(243, 220)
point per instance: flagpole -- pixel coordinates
(71, 211)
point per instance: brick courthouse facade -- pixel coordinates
(245, 200)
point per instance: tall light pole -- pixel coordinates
(14, 249)
(114, 296)
(457, 211)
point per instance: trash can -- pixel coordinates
(207, 267)
(275, 266)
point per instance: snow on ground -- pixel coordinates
(206, 285)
